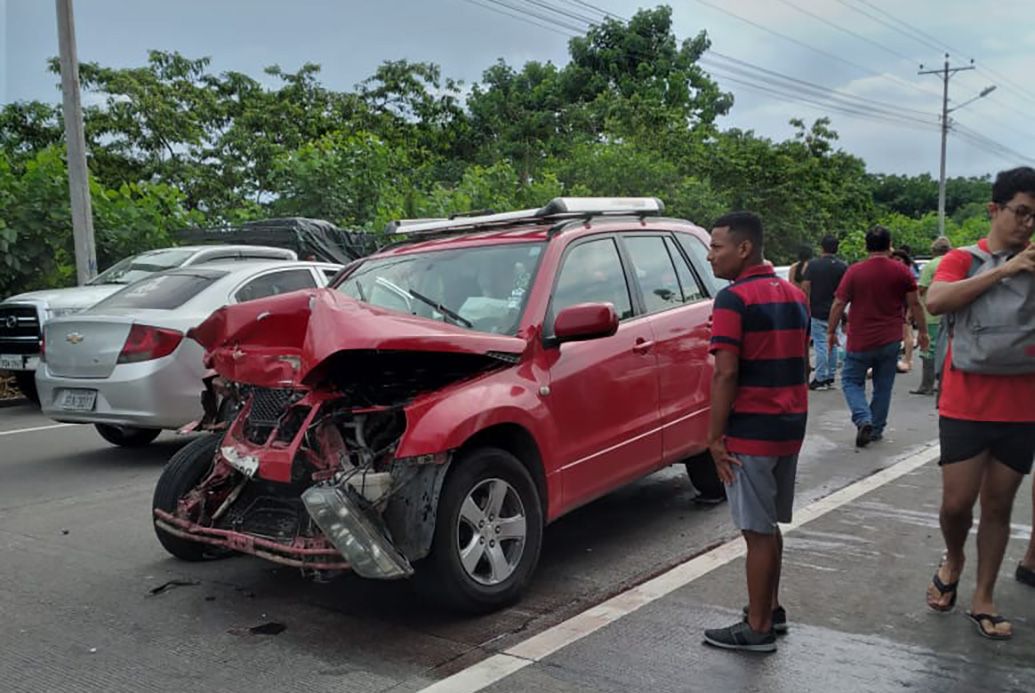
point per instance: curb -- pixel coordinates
(14, 402)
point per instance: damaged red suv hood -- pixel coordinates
(282, 341)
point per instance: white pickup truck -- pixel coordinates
(22, 316)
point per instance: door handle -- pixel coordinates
(642, 346)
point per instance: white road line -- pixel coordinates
(497, 667)
(35, 428)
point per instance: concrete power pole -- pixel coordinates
(945, 73)
(78, 182)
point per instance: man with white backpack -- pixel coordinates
(987, 400)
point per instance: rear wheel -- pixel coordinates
(26, 382)
(488, 532)
(184, 471)
(705, 478)
(127, 436)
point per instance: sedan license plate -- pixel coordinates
(11, 362)
(77, 400)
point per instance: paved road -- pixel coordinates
(79, 562)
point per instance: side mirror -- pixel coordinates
(585, 321)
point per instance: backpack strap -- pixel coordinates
(941, 349)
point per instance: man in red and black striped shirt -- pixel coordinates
(758, 413)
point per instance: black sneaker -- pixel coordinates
(1025, 575)
(817, 384)
(739, 636)
(779, 620)
(829, 384)
(864, 435)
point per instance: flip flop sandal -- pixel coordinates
(944, 589)
(981, 619)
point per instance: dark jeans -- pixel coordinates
(883, 361)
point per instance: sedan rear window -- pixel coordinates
(162, 292)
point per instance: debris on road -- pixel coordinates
(268, 628)
(166, 586)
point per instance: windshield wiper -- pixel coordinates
(441, 308)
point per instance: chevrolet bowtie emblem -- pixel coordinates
(74, 338)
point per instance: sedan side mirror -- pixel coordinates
(585, 321)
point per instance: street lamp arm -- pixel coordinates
(984, 92)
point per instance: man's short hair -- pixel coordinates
(1009, 183)
(878, 239)
(743, 226)
(941, 245)
(829, 244)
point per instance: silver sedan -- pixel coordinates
(126, 366)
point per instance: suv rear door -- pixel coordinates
(603, 393)
(674, 297)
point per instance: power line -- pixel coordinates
(519, 17)
(824, 20)
(553, 21)
(561, 11)
(918, 36)
(819, 51)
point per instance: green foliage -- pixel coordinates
(173, 143)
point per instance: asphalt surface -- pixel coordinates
(81, 579)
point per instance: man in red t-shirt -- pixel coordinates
(879, 289)
(987, 422)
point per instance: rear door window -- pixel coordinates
(655, 274)
(689, 284)
(162, 292)
(698, 254)
(275, 283)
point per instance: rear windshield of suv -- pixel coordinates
(162, 292)
(139, 266)
(482, 288)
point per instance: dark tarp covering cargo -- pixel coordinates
(313, 239)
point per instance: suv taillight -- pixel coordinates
(145, 343)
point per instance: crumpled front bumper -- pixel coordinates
(351, 538)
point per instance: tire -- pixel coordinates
(127, 436)
(183, 472)
(491, 585)
(26, 382)
(704, 477)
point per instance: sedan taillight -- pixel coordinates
(145, 343)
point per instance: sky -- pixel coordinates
(855, 61)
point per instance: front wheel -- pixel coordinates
(488, 532)
(184, 471)
(127, 436)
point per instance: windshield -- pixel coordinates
(164, 292)
(481, 288)
(139, 266)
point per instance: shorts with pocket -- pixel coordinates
(762, 492)
(1011, 443)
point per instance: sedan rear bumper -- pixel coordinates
(163, 393)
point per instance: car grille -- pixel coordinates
(19, 329)
(267, 406)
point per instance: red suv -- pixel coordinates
(449, 396)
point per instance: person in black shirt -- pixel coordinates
(820, 282)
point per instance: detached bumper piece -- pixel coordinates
(360, 539)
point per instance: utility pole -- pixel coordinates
(75, 138)
(945, 73)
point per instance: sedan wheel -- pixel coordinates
(127, 436)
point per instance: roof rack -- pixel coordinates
(557, 208)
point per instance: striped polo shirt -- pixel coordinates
(765, 320)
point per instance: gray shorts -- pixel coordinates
(762, 493)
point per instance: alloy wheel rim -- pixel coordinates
(491, 532)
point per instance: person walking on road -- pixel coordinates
(877, 289)
(759, 405)
(939, 248)
(796, 272)
(986, 405)
(821, 280)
